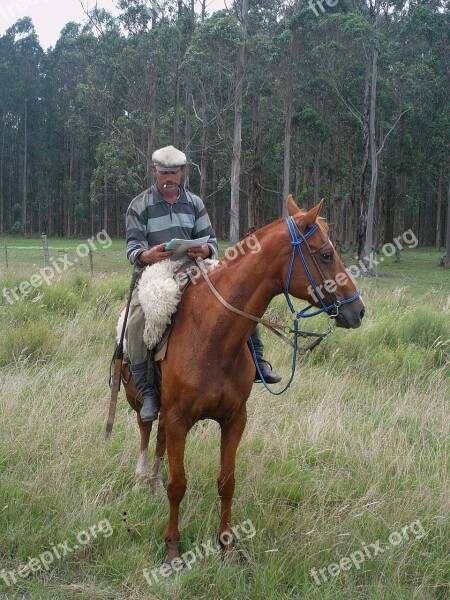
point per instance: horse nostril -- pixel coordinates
(362, 313)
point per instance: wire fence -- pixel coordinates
(44, 255)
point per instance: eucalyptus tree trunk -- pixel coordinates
(92, 208)
(447, 241)
(69, 200)
(152, 121)
(351, 217)
(254, 208)
(188, 99)
(439, 211)
(399, 212)
(317, 172)
(176, 108)
(204, 156)
(288, 119)
(2, 197)
(25, 168)
(363, 172)
(237, 141)
(373, 159)
(187, 127)
(105, 200)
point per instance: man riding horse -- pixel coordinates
(165, 211)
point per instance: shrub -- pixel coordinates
(28, 342)
(81, 286)
(58, 298)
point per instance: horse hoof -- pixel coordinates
(157, 487)
(147, 481)
(139, 485)
(174, 566)
(172, 558)
(234, 556)
(141, 482)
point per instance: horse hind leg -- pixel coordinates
(143, 474)
(156, 477)
(153, 477)
(231, 434)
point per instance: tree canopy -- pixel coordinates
(331, 94)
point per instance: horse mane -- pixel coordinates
(321, 222)
(323, 225)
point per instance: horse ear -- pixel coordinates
(292, 208)
(311, 216)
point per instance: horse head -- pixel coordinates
(327, 286)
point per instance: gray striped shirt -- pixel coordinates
(151, 220)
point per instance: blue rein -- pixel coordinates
(297, 241)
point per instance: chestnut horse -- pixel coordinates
(208, 370)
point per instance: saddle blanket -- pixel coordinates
(159, 290)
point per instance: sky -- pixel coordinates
(50, 16)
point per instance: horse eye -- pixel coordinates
(327, 257)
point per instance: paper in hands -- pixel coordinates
(180, 247)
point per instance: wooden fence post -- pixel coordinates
(45, 249)
(6, 256)
(91, 261)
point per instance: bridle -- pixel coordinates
(298, 238)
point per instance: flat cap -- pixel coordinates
(168, 159)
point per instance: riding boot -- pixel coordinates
(264, 366)
(144, 378)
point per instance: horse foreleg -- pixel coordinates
(176, 433)
(231, 434)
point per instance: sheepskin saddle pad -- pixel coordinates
(160, 288)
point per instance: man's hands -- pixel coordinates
(200, 252)
(155, 254)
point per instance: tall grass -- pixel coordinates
(356, 449)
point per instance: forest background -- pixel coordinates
(346, 100)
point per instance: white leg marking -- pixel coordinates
(142, 465)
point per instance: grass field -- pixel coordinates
(342, 480)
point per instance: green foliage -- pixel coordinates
(421, 327)
(27, 342)
(407, 341)
(81, 286)
(56, 298)
(16, 228)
